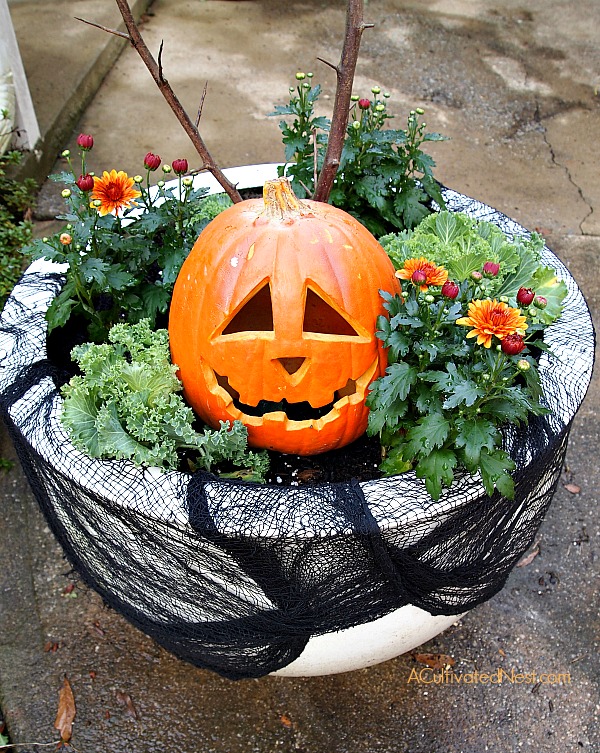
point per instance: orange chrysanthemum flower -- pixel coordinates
(492, 318)
(431, 273)
(115, 190)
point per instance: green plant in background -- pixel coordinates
(126, 405)
(384, 178)
(124, 242)
(16, 201)
(448, 392)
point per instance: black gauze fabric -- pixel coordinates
(236, 577)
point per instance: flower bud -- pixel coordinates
(375, 89)
(85, 183)
(420, 111)
(180, 166)
(300, 76)
(97, 203)
(152, 161)
(513, 344)
(419, 277)
(387, 95)
(65, 239)
(85, 141)
(161, 184)
(356, 124)
(309, 75)
(305, 85)
(476, 276)
(540, 302)
(429, 298)
(450, 289)
(379, 107)
(364, 103)
(188, 181)
(523, 365)
(525, 296)
(65, 153)
(166, 168)
(491, 269)
(138, 178)
(354, 98)
(65, 193)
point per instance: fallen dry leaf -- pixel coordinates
(435, 661)
(66, 711)
(573, 488)
(309, 474)
(286, 721)
(528, 559)
(125, 700)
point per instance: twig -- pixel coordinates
(156, 72)
(315, 157)
(104, 28)
(355, 26)
(201, 105)
(160, 68)
(331, 65)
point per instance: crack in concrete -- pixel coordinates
(577, 187)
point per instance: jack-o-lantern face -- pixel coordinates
(273, 321)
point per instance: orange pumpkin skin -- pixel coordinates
(273, 319)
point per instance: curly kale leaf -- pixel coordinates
(126, 405)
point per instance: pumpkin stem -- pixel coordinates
(281, 202)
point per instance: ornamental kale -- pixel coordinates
(447, 392)
(126, 405)
(384, 179)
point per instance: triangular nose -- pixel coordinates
(291, 365)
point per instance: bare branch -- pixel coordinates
(155, 69)
(201, 105)
(104, 28)
(355, 26)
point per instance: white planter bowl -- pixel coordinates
(397, 505)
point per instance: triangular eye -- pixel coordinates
(256, 315)
(320, 316)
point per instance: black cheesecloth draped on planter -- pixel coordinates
(236, 577)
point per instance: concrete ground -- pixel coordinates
(515, 86)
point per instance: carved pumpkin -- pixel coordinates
(273, 318)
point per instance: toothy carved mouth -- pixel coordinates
(301, 413)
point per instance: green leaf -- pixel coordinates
(494, 471)
(114, 441)
(437, 469)
(79, 418)
(397, 382)
(394, 463)
(430, 431)
(466, 392)
(59, 311)
(446, 226)
(475, 434)
(408, 205)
